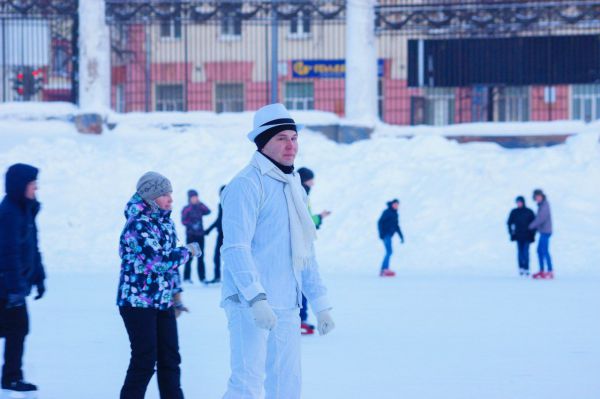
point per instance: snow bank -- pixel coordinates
(455, 198)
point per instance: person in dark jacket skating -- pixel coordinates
(518, 228)
(149, 293)
(20, 269)
(191, 217)
(307, 179)
(218, 226)
(389, 225)
(543, 224)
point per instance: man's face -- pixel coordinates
(165, 202)
(519, 204)
(194, 200)
(538, 198)
(31, 189)
(396, 205)
(283, 147)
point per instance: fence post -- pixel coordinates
(274, 53)
(361, 61)
(94, 63)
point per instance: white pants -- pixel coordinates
(256, 352)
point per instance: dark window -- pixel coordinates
(169, 97)
(229, 97)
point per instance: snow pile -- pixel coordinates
(455, 198)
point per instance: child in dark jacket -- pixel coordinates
(191, 217)
(518, 227)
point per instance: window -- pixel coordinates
(513, 104)
(231, 22)
(170, 29)
(169, 97)
(229, 97)
(439, 106)
(586, 102)
(300, 24)
(299, 95)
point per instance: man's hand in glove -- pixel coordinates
(325, 322)
(264, 317)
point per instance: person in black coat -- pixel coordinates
(518, 228)
(218, 226)
(20, 269)
(389, 225)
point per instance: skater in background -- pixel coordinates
(518, 228)
(307, 179)
(268, 262)
(543, 224)
(389, 225)
(149, 294)
(20, 269)
(218, 225)
(191, 217)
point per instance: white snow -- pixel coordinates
(455, 323)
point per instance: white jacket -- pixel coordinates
(256, 251)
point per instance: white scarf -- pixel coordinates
(302, 227)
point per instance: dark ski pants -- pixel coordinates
(387, 243)
(187, 271)
(523, 254)
(217, 257)
(304, 310)
(14, 326)
(543, 251)
(153, 337)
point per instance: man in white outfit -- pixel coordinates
(268, 262)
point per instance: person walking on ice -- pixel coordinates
(268, 262)
(543, 224)
(389, 225)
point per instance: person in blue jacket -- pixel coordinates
(20, 269)
(389, 225)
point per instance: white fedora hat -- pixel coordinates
(269, 116)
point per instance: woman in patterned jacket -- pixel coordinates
(149, 296)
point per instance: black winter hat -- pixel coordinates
(538, 191)
(305, 174)
(520, 198)
(262, 139)
(192, 193)
(394, 201)
(18, 176)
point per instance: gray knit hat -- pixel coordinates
(152, 185)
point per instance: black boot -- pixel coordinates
(19, 386)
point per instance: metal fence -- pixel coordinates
(225, 56)
(469, 61)
(38, 50)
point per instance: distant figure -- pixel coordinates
(218, 225)
(307, 179)
(543, 224)
(518, 227)
(20, 270)
(388, 226)
(191, 217)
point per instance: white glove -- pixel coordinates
(264, 317)
(325, 322)
(194, 248)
